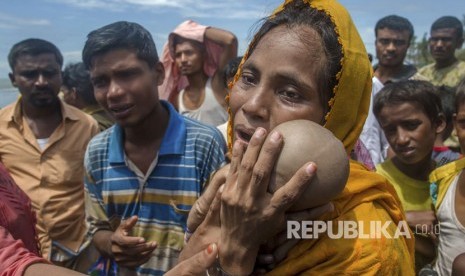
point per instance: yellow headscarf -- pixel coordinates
(367, 196)
(349, 107)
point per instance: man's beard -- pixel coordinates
(42, 102)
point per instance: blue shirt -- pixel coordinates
(190, 151)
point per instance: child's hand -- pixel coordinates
(421, 222)
(129, 251)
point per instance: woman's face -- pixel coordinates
(279, 82)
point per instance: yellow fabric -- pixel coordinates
(443, 177)
(367, 196)
(413, 194)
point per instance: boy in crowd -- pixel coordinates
(443, 154)
(448, 194)
(144, 173)
(409, 112)
(78, 91)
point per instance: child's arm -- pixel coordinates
(425, 245)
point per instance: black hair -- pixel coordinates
(447, 95)
(120, 35)
(77, 76)
(33, 47)
(449, 22)
(394, 22)
(410, 91)
(177, 39)
(297, 13)
(230, 69)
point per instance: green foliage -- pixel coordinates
(418, 53)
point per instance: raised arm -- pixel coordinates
(229, 42)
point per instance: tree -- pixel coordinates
(461, 53)
(418, 53)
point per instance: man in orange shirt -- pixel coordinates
(42, 144)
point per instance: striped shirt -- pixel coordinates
(189, 153)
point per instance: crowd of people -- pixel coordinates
(128, 163)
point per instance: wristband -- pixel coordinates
(187, 235)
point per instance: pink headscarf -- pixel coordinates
(174, 82)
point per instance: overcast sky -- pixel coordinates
(67, 22)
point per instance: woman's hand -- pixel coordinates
(250, 215)
(277, 248)
(203, 203)
(208, 231)
(197, 264)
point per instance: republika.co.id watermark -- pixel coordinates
(355, 229)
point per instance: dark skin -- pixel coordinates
(391, 48)
(411, 135)
(126, 87)
(142, 143)
(190, 59)
(442, 45)
(119, 81)
(38, 79)
(458, 267)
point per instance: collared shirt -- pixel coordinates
(190, 151)
(52, 177)
(450, 75)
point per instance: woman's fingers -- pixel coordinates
(197, 264)
(265, 163)
(213, 216)
(236, 157)
(249, 160)
(202, 204)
